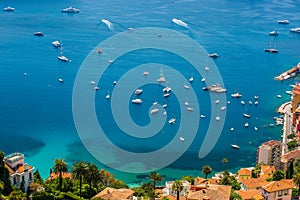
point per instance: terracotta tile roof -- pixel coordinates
(114, 194)
(271, 143)
(54, 175)
(254, 183)
(199, 180)
(248, 194)
(244, 171)
(277, 185)
(290, 155)
(19, 170)
(266, 168)
(173, 197)
(214, 192)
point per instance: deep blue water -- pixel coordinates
(36, 110)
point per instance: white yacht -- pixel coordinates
(172, 121)
(137, 101)
(167, 89)
(218, 118)
(191, 79)
(246, 124)
(186, 86)
(235, 146)
(181, 139)
(274, 33)
(138, 91)
(62, 58)
(190, 108)
(223, 108)
(295, 30)
(70, 10)
(161, 79)
(213, 55)
(56, 44)
(9, 9)
(285, 21)
(154, 110)
(246, 115)
(61, 80)
(146, 73)
(166, 94)
(236, 95)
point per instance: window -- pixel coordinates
(23, 179)
(30, 176)
(280, 193)
(286, 191)
(15, 181)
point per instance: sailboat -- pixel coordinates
(272, 48)
(235, 146)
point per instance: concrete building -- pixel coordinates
(21, 174)
(269, 153)
(278, 190)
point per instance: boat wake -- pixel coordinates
(108, 24)
(180, 22)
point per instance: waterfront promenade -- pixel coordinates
(286, 109)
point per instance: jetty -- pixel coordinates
(289, 74)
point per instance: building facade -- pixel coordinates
(21, 174)
(269, 153)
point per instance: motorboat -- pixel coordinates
(70, 10)
(107, 96)
(250, 102)
(243, 102)
(223, 108)
(279, 96)
(138, 91)
(165, 105)
(217, 101)
(186, 103)
(154, 110)
(146, 73)
(181, 139)
(235, 146)
(203, 79)
(246, 115)
(190, 108)
(274, 33)
(255, 97)
(255, 128)
(92, 82)
(202, 116)
(166, 94)
(38, 33)
(61, 80)
(172, 121)
(191, 79)
(285, 21)
(256, 103)
(9, 9)
(206, 68)
(289, 92)
(56, 44)
(161, 79)
(99, 50)
(137, 101)
(218, 118)
(213, 55)
(231, 129)
(236, 95)
(186, 86)
(115, 82)
(271, 50)
(295, 30)
(167, 89)
(62, 58)
(110, 60)
(246, 124)
(96, 88)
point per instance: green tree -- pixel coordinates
(37, 177)
(4, 176)
(256, 171)
(155, 177)
(296, 165)
(224, 161)
(296, 179)
(17, 194)
(60, 166)
(177, 187)
(92, 176)
(106, 178)
(278, 175)
(190, 179)
(79, 170)
(207, 170)
(235, 196)
(118, 184)
(229, 180)
(292, 145)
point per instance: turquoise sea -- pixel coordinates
(36, 110)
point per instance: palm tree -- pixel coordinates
(177, 187)
(60, 166)
(206, 170)
(224, 161)
(296, 179)
(79, 170)
(155, 177)
(91, 176)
